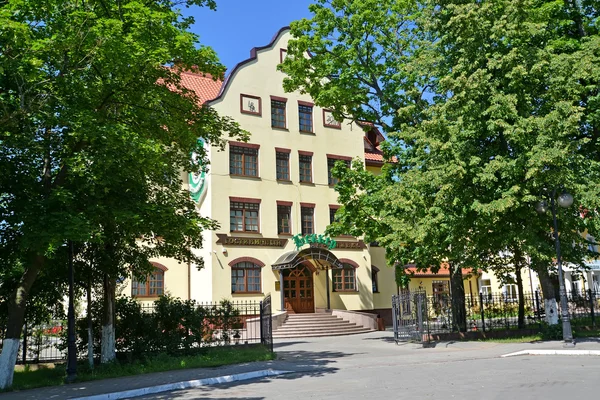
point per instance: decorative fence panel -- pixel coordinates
(409, 314)
(220, 324)
(416, 314)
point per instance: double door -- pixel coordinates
(298, 290)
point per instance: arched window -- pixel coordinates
(153, 285)
(344, 280)
(245, 277)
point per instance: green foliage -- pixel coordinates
(169, 325)
(485, 105)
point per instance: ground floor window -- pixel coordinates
(152, 286)
(344, 280)
(245, 278)
(511, 292)
(441, 293)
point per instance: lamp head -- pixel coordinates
(541, 207)
(565, 200)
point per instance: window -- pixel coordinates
(332, 211)
(245, 278)
(243, 217)
(283, 219)
(374, 272)
(278, 114)
(511, 292)
(307, 214)
(305, 115)
(152, 286)
(344, 280)
(243, 161)
(330, 164)
(441, 293)
(282, 166)
(305, 168)
(486, 289)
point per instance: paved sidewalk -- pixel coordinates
(310, 357)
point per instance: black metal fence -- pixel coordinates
(266, 323)
(41, 343)
(250, 324)
(416, 313)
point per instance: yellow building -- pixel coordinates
(264, 192)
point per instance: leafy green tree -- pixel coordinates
(96, 130)
(486, 104)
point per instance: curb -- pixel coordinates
(553, 353)
(183, 385)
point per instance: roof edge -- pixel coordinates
(253, 55)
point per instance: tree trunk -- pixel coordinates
(14, 325)
(457, 293)
(550, 307)
(518, 268)
(90, 327)
(108, 352)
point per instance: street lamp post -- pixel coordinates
(564, 200)
(71, 348)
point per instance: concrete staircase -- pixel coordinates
(316, 325)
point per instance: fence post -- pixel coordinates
(482, 311)
(262, 336)
(592, 307)
(25, 343)
(538, 312)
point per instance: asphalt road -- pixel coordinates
(372, 366)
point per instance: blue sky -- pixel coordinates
(239, 25)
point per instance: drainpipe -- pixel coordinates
(281, 292)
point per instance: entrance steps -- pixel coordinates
(316, 325)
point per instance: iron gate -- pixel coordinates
(409, 313)
(266, 323)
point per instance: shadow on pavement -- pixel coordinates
(277, 345)
(301, 364)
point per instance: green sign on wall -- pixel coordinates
(197, 180)
(300, 240)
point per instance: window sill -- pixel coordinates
(247, 294)
(256, 178)
(246, 233)
(284, 181)
(333, 126)
(307, 132)
(306, 183)
(285, 234)
(346, 291)
(147, 297)
(279, 128)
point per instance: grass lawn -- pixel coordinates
(28, 378)
(578, 333)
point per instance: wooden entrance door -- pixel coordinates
(298, 290)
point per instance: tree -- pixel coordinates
(485, 104)
(94, 117)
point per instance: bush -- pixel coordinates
(172, 326)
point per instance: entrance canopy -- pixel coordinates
(292, 259)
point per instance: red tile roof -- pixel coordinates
(443, 271)
(205, 87)
(375, 156)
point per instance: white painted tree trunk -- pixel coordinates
(107, 353)
(551, 311)
(8, 359)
